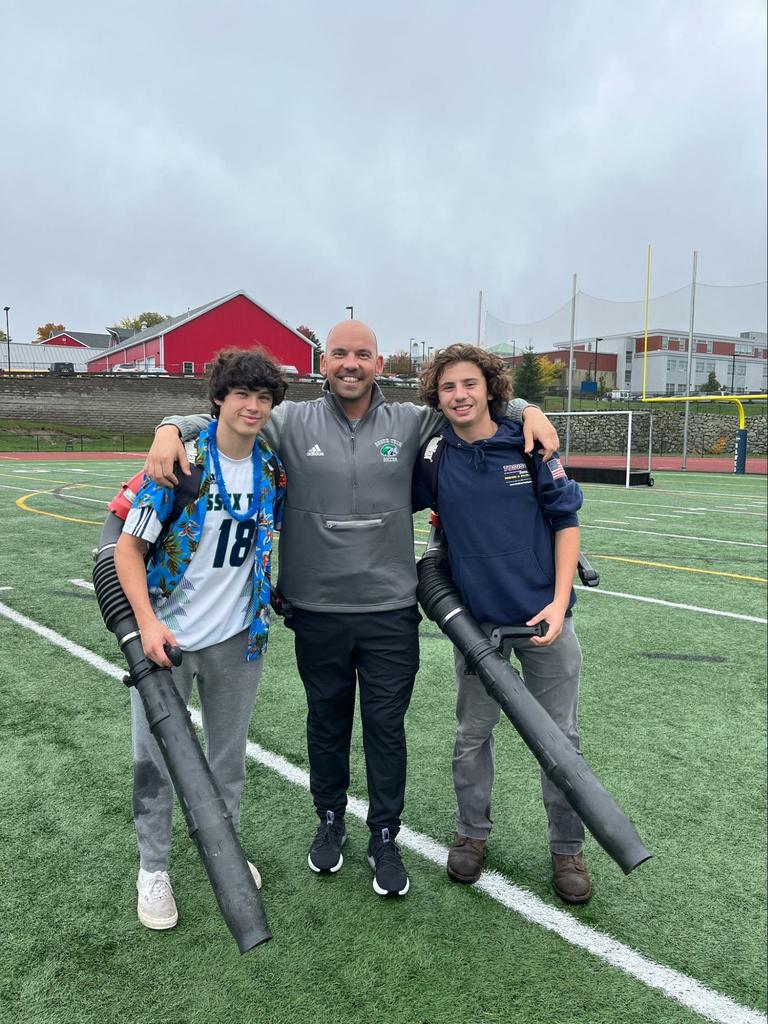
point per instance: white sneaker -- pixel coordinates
(156, 906)
(256, 875)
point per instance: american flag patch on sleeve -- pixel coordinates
(556, 468)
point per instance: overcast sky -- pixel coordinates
(397, 157)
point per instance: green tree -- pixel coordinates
(47, 331)
(712, 385)
(317, 346)
(138, 323)
(528, 378)
(602, 387)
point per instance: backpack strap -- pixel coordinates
(431, 455)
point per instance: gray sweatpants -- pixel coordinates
(227, 685)
(551, 674)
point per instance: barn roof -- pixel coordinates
(177, 321)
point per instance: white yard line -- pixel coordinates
(82, 583)
(671, 604)
(684, 510)
(709, 494)
(643, 519)
(674, 536)
(673, 984)
(611, 522)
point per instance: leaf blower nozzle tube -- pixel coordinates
(561, 762)
(208, 821)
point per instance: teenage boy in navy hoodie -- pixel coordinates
(512, 532)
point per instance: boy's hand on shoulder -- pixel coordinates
(536, 427)
(167, 449)
(554, 616)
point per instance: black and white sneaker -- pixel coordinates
(325, 852)
(389, 877)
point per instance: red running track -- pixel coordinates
(758, 466)
(673, 462)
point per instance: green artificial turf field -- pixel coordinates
(673, 717)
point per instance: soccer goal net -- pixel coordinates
(606, 447)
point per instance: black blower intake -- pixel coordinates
(209, 823)
(560, 761)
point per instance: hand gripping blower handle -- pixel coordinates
(209, 823)
(561, 762)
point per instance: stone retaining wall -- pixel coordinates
(708, 434)
(136, 405)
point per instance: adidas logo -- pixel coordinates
(315, 450)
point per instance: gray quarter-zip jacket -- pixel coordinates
(346, 543)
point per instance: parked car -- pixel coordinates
(62, 369)
(124, 368)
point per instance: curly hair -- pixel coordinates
(252, 369)
(493, 367)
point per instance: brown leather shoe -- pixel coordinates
(465, 859)
(570, 878)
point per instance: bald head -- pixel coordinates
(350, 363)
(350, 332)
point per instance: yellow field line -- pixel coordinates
(21, 502)
(680, 568)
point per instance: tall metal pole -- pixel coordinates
(479, 315)
(8, 336)
(684, 462)
(570, 372)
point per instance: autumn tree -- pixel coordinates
(317, 346)
(550, 373)
(528, 378)
(47, 331)
(138, 323)
(399, 363)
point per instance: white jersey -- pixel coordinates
(213, 599)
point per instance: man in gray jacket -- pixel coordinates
(348, 578)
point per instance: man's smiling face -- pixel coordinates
(350, 361)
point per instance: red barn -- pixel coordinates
(77, 339)
(187, 343)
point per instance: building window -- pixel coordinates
(671, 364)
(187, 367)
(699, 366)
(628, 377)
(670, 389)
(710, 367)
(665, 343)
(742, 349)
(741, 369)
(681, 389)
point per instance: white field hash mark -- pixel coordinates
(673, 984)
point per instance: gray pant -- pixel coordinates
(551, 674)
(227, 685)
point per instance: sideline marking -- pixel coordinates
(82, 583)
(21, 502)
(671, 604)
(674, 536)
(673, 984)
(678, 568)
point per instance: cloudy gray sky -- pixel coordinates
(395, 156)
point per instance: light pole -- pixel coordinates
(8, 336)
(351, 312)
(423, 346)
(414, 345)
(430, 350)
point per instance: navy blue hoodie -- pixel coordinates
(500, 524)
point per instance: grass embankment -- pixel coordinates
(42, 436)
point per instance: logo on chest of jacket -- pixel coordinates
(315, 450)
(516, 474)
(388, 448)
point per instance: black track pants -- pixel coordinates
(334, 652)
